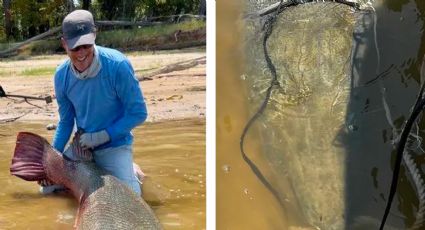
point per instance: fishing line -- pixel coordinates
(268, 26)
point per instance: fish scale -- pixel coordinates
(107, 203)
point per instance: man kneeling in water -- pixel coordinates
(96, 88)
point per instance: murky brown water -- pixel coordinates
(393, 30)
(172, 155)
(242, 201)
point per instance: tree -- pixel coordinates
(153, 8)
(202, 7)
(86, 4)
(70, 5)
(32, 17)
(118, 10)
(7, 19)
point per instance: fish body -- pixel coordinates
(104, 201)
(303, 122)
(322, 127)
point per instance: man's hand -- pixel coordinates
(92, 140)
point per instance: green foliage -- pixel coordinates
(2, 31)
(138, 9)
(46, 46)
(42, 71)
(32, 17)
(123, 39)
(153, 8)
(28, 72)
(116, 10)
(126, 39)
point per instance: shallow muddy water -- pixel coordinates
(171, 154)
(242, 202)
(330, 165)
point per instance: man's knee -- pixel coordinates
(119, 162)
(135, 186)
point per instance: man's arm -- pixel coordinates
(130, 94)
(66, 117)
(127, 89)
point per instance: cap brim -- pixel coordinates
(86, 39)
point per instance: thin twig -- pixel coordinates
(6, 120)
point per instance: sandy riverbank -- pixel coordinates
(172, 96)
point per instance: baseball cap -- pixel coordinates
(78, 28)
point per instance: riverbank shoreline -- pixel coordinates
(177, 95)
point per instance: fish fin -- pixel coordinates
(80, 153)
(138, 173)
(27, 161)
(77, 218)
(80, 209)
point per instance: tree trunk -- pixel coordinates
(86, 4)
(11, 51)
(7, 18)
(202, 7)
(70, 6)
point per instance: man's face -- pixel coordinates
(81, 56)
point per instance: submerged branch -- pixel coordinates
(11, 51)
(12, 119)
(174, 67)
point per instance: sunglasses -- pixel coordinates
(81, 47)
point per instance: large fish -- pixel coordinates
(327, 122)
(104, 201)
(305, 112)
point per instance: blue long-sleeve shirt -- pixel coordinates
(111, 101)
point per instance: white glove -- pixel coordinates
(92, 140)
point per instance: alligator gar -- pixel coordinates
(313, 77)
(104, 201)
(307, 105)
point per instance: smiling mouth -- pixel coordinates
(82, 59)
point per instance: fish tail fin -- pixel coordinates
(27, 161)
